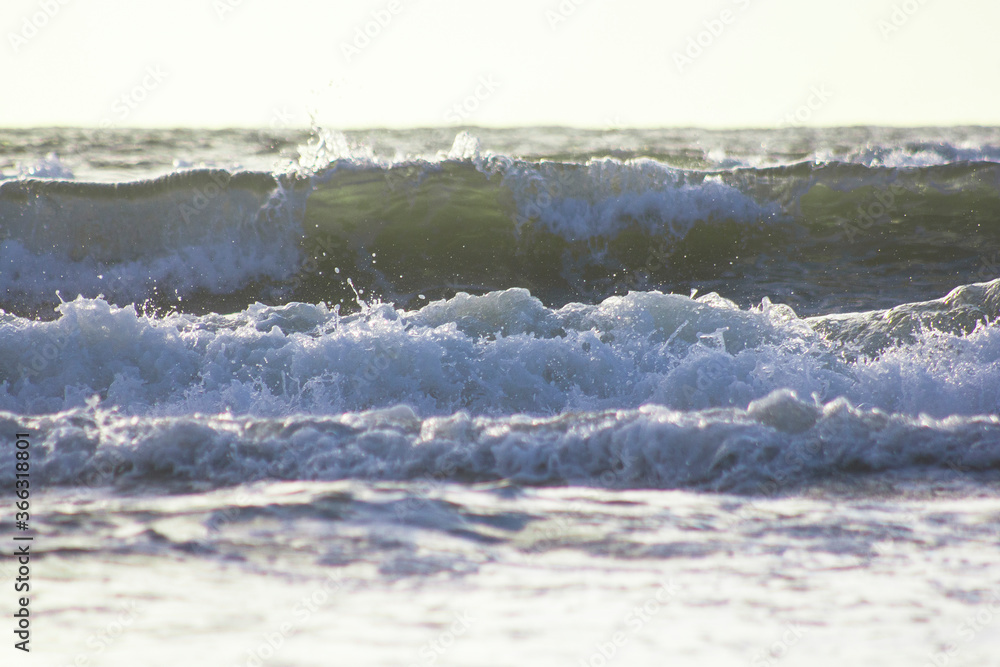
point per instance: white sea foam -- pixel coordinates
(500, 353)
(605, 197)
(695, 390)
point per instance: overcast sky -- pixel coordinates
(589, 63)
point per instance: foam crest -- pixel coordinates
(780, 442)
(603, 198)
(500, 353)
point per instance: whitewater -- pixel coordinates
(702, 397)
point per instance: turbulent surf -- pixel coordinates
(511, 358)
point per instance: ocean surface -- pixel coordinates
(536, 396)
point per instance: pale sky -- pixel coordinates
(586, 63)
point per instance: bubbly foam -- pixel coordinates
(660, 389)
(500, 353)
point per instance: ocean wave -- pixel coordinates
(410, 231)
(776, 443)
(199, 231)
(502, 353)
(656, 390)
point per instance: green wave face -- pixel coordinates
(823, 238)
(815, 236)
(406, 233)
